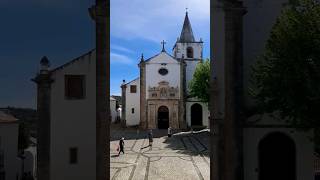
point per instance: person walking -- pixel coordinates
(121, 146)
(169, 131)
(150, 137)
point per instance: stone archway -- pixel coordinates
(196, 115)
(277, 157)
(163, 117)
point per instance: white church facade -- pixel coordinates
(160, 98)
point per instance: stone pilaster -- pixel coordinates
(43, 80)
(123, 106)
(183, 95)
(100, 13)
(143, 101)
(231, 166)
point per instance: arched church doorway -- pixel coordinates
(277, 157)
(196, 115)
(163, 117)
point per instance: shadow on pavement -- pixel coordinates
(184, 142)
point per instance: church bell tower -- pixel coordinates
(189, 51)
(186, 46)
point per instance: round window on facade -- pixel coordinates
(163, 71)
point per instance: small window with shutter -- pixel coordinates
(133, 89)
(74, 86)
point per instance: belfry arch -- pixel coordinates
(189, 52)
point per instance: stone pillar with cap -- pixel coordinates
(183, 95)
(43, 81)
(100, 13)
(143, 103)
(123, 100)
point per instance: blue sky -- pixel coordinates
(63, 30)
(140, 25)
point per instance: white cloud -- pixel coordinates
(116, 58)
(121, 48)
(157, 19)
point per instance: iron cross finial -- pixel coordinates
(163, 42)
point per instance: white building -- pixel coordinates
(159, 97)
(30, 161)
(68, 95)
(9, 162)
(113, 109)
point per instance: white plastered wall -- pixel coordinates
(153, 66)
(113, 110)
(133, 101)
(9, 146)
(73, 123)
(190, 69)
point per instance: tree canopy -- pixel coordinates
(286, 78)
(199, 85)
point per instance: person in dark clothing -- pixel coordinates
(169, 132)
(150, 137)
(121, 145)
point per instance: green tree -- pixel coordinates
(286, 77)
(199, 85)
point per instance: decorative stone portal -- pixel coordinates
(196, 115)
(163, 113)
(163, 117)
(163, 106)
(277, 157)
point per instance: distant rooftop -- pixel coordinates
(7, 118)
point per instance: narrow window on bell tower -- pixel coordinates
(189, 52)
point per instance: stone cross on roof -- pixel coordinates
(163, 42)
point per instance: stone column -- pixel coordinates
(43, 80)
(100, 13)
(123, 101)
(143, 102)
(231, 130)
(183, 95)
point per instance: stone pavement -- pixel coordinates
(184, 156)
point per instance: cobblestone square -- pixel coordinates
(183, 156)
